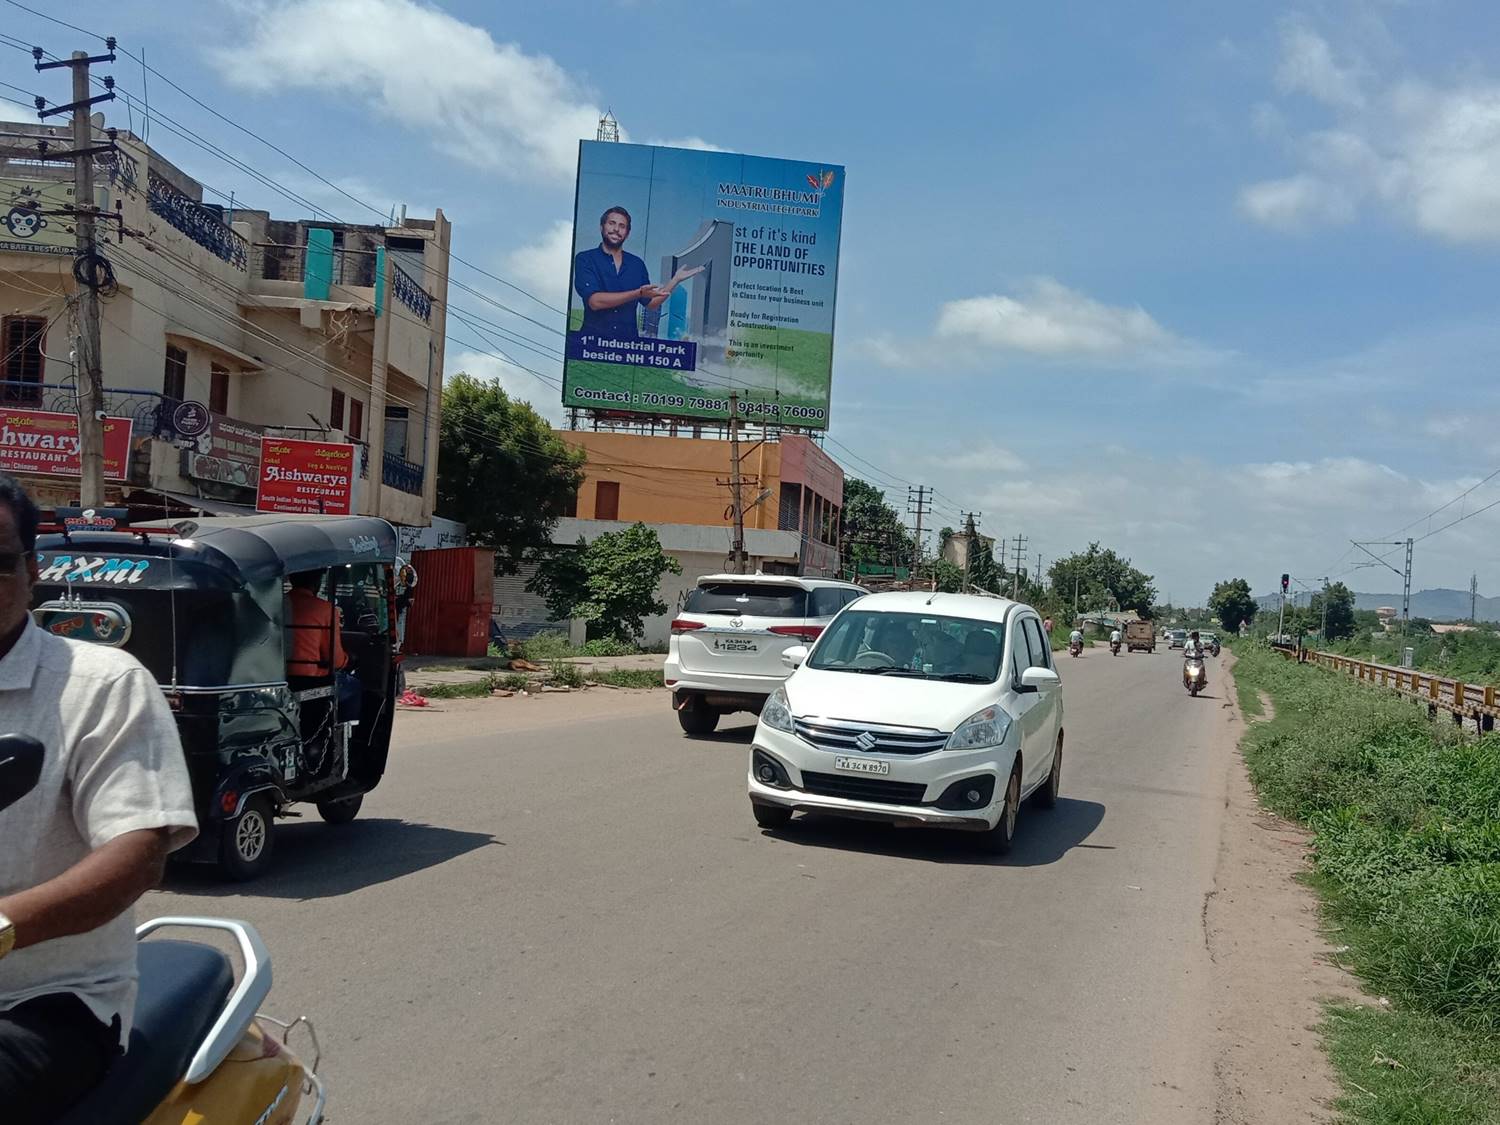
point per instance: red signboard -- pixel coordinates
(44, 442)
(305, 476)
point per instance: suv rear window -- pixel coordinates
(748, 598)
(828, 600)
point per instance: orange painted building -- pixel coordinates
(790, 485)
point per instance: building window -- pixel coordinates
(336, 410)
(218, 388)
(607, 500)
(356, 428)
(22, 337)
(396, 426)
(174, 374)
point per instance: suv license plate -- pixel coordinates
(735, 644)
(862, 765)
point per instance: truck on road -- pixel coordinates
(1140, 635)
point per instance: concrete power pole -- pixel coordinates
(918, 503)
(971, 540)
(1474, 599)
(1015, 582)
(736, 485)
(88, 366)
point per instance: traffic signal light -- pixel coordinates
(1286, 581)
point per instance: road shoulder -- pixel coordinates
(1272, 966)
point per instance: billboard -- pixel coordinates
(33, 215)
(309, 477)
(46, 443)
(697, 273)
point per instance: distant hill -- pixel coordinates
(1435, 605)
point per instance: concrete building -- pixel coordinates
(300, 329)
(792, 490)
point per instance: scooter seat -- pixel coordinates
(183, 987)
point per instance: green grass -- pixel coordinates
(1473, 657)
(628, 677)
(469, 689)
(546, 646)
(514, 681)
(560, 673)
(1406, 820)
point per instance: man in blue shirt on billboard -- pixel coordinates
(611, 282)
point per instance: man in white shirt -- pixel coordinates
(1192, 648)
(1075, 637)
(1114, 636)
(78, 850)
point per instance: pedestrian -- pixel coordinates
(77, 851)
(406, 588)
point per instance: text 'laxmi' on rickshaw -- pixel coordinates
(274, 640)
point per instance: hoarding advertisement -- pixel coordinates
(698, 273)
(46, 442)
(314, 477)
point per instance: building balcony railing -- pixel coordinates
(401, 474)
(198, 222)
(150, 411)
(410, 294)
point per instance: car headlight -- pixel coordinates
(984, 728)
(777, 712)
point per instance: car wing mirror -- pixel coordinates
(1040, 679)
(20, 767)
(794, 656)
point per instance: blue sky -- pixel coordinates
(1214, 284)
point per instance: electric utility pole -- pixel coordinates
(971, 540)
(1327, 585)
(918, 503)
(88, 367)
(1015, 582)
(736, 484)
(1474, 599)
(1404, 574)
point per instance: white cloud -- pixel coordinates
(541, 267)
(1430, 154)
(989, 458)
(690, 142)
(544, 398)
(1296, 202)
(489, 104)
(1049, 319)
(1308, 67)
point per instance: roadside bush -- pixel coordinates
(562, 674)
(514, 681)
(1406, 816)
(608, 646)
(546, 646)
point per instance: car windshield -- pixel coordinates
(747, 599)
(923, 646)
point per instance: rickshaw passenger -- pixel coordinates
(317, 649)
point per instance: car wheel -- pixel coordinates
(698, 719)
(998, 840)
(771, 816)
(246, 846)
(340, 812)
(1046, 796)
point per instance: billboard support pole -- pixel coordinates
(736, 484)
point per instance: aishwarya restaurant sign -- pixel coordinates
(314, 477)
(46, 443)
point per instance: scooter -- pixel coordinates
(198, 1049)
(1194, 675)
(1114, 648)
(1075, 648)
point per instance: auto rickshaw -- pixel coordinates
(206, 606)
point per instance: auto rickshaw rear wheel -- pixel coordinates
(340, 812)
(246, 845)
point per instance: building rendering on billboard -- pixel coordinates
(700, 273)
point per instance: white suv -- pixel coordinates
(727, 642)
(915, 708)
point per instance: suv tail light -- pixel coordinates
(804, 632)
(683, 625)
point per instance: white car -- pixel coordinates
(915, 708)
(726, 646)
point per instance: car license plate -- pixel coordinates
(862, 765)
(735, 644)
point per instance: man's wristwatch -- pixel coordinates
(7, 935)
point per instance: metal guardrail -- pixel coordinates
(200, 223)
(1480, 702)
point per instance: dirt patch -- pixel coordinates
(1272, 969)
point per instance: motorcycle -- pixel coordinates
(1194, 675)
(1114, 648)
(1075, 648)
(198, 1049)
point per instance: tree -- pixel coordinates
(1104, 581)
(612, 583)
(502, 471)
(1340, 601)
(873, 533)
(949, 578)
(1233, 603)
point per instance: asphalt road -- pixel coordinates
(560, 910)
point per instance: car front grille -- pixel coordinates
(846, 737)
(860, 788)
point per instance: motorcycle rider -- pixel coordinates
(1193, 648)
(1114, 638)
(1075, 638)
